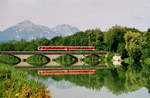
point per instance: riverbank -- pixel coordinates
(15, 84)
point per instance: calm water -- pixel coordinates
(129, 81)
(65, 89)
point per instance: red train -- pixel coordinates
(66, 48)
(58, 72)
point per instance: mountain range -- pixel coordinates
(28, 31)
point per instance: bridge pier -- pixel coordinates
(52, 58)
(23, 60)
(23, 55)
(80, 58)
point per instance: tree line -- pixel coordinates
(124, 40)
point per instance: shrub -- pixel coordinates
(9, 59)
(147, 61)
(109, 59)
(37, 60)
(15, 84)
(92, 59)
(103, 59)
(66, 60)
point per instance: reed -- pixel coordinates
(15, 84)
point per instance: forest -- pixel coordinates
(128, 42)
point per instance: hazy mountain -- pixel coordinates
(28, 31)
(65, 29)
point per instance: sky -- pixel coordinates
(84, 14)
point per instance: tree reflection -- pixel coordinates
(120, 80)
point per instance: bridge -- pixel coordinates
(52, 55)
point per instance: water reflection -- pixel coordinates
(66, 89)
(128, 81)
(82, 92)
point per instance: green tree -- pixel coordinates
(95, 37)
(135, 44)
(135, 77)
(113, 37)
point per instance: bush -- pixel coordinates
(9, 59)
(109, 59)
(15, 84)
(129, 60)
(147, 61)
(66, 60)
(103, 59)
(92, 59)
(37, 60)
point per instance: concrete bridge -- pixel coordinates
(23, 55)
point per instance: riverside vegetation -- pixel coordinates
(15, 84)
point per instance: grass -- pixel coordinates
(15, 84)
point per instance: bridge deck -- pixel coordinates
(53, 52)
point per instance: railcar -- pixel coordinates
(66, 48)
(58, 72)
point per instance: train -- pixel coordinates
(71, 72)
(65, 48)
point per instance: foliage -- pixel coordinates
(129, 60)
(147, 60)
(92, 59)
(66, 60)
(37, 60)
(9, 59)
(102, 59)
(135, 44)
(95, 37)
(109, 60)
(135, 78)
(113, 37)
(15, 84)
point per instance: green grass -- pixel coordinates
(37, 60)
(9, 59)
(15, 84)
(66, 60)
(91, 60)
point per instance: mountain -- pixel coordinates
(28, 31)
(65, 29)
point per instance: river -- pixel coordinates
(127, 81)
